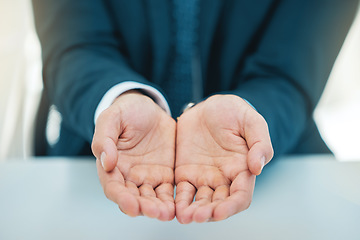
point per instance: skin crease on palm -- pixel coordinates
(214, 163)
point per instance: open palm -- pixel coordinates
(142, 180)
(212, 160)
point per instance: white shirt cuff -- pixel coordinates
(120, 88)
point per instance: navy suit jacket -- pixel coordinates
(277, 54)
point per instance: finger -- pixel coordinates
(185, 193)
(202, 203)
(259, 155)
(241, 191)
(165, 192)
(115, 190)
(132, 188)
(146, 190)
(126, 201)
(205, 213)
(157, 209)
(201, 209)
(187, 215)
(204, 192)
(236, 203)
(106, 177)
(107, 132)
(149, 205)
(257, 136)
(221, 193)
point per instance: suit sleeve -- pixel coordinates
(285, 76)
(83, 57)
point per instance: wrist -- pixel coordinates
(135, 102)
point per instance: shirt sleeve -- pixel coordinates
(120, 88)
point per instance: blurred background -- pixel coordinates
(337, 115)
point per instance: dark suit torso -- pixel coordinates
(276, 54)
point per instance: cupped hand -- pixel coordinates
(222, 144)
(134, 143)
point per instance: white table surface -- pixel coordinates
(312, 197)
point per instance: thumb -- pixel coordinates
(259, 143)
(106, 135)
(259, 155)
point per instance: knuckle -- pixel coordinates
(248, 203)
(107, 191)
(271, 152)
(262, 121)
(95, 146)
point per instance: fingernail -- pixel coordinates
(102, 159)
(262, 161)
